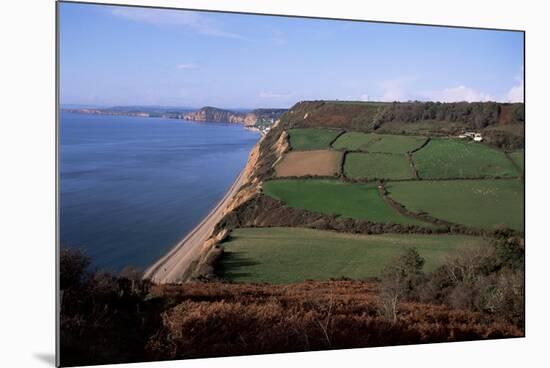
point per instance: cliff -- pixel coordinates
(251, 118)
(257, 117)
(209, 113)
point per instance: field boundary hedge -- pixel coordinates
(516, 166)
(265, 211)
(413, 166)
(428, 139)
(342, 132)
(386, 180)
(342, 165)
(406, 212)
(453, 227)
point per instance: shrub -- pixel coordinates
(489, 280)
(73, 264)
(399, 280)
(103, 318)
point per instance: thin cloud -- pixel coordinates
(392, 92)
(278, 37)
(274, 95)
(187, 66)
(406, 88)
(395, 89)
(189, 20)
(459, 94)
(515, 94)
(364, 97)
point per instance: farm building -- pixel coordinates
(472, 135)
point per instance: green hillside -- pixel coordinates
(287, 255)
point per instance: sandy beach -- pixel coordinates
(172, 266)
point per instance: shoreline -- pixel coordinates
(170, 267)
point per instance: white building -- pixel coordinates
(476, 137)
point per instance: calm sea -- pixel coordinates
(132, 187)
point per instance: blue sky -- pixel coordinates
(138, 56)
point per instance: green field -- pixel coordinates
(476, 203)
(518, 157)
(311, 138)
(333, 197)
(451, 158)
(384, 143)
(353, 141)
(377, 166)
(286, 255)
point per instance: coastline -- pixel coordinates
(170, 267)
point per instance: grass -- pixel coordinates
(287, 255)
(333, 197)
(475, 203)
(518, 157)
(377, 166)
(452, 158)
(384, 143)
(353, 141)
(311, 138)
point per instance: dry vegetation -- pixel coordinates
(313, 163)
(226, 319)
(124, 319)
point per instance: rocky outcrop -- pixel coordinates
(209, 113)
(215, 114)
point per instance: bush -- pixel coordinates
(399, 280)
(104, 319)
(488, 280)
(510, 252)
(73, 264)
(216, 319)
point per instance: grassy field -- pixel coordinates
(286, 255)
(476, 203)
(316, 163)
(518, 157)
(358, 201)
(311, 138)
(377, 166)
(452, 158)
(352, 141)
(378, 142)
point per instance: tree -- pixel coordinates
(72, 267)
(399, 280)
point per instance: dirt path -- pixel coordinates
(173, 265)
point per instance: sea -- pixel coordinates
(131, 187)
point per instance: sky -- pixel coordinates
(112, 55)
